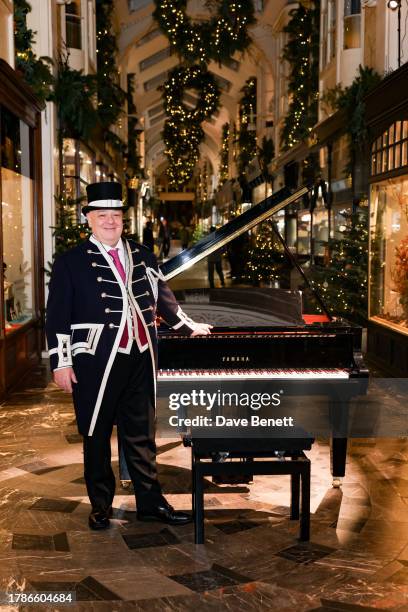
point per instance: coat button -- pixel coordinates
(99, 279)
(103, 295)
(94, 264)
(107, 309)
(111, 325)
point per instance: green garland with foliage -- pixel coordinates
(182, 133)
(302, 54)
(190, 77)
(73, 93)
(111, 97)
(223, 171)
(216, 39)
(133, 159)
(247, 148)
(37, 72)
(351, 100)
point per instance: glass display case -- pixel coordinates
(17, 221)
(388, 298)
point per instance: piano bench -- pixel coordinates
(297, 466)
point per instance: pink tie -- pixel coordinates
(114, 253)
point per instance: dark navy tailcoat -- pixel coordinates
(88, 308)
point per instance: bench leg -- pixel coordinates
(305, 511)
(294, 496)
(198, 505)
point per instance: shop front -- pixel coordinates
(22, 294)
(388, 272)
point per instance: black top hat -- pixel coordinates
(104, 196)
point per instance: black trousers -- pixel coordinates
(128, 401)
(218, 266)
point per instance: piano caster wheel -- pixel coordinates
(336, 483)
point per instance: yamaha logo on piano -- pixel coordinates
(235, 358)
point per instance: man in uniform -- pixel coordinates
(101, 333)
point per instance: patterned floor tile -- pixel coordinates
(88, 589)
(306, 552)
(27, 541)
(148, 540)
(55, 505)
(215, 578)
(231, 527)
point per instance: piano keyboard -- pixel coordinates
(204, 375)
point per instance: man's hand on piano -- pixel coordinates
(201, 329)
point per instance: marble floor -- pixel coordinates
(356, 560)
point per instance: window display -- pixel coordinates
(389, 253)
(17, 220)
(303, 232)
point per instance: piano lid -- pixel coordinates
(241, 224)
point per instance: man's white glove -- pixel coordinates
(201, 329)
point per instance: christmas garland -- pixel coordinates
(302, 54)
(246, 137)
(111, 97)
(190, 77)
(36, 71)
(216, 39)
(224, 154)
(182, 133)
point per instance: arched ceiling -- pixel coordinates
(144, 51)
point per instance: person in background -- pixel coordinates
(164, 237)
(148, 239)
(184, 237)
(214, 260)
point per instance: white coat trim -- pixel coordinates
(154, 278)
(137, 308)
(184, 320)
(63, 350)
(123, 322)
(90, 344)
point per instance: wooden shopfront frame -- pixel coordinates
(385, 105)
(21, 350)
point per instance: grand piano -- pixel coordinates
(263, 335)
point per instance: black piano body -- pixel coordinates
(261, 336)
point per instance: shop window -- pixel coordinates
(17, 220)
(303, 232)
(389, 151)
(320, 229)
(328, 32)
(73, 24)
(389, 253)
(352, 24)
(78, 168)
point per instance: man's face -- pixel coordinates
(106, 225)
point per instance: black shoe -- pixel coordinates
(165, 513)
(99, 519)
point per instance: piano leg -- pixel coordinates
(305, 510)
(294, 496)
(338, 453)
(198, 508)
(338, 414)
